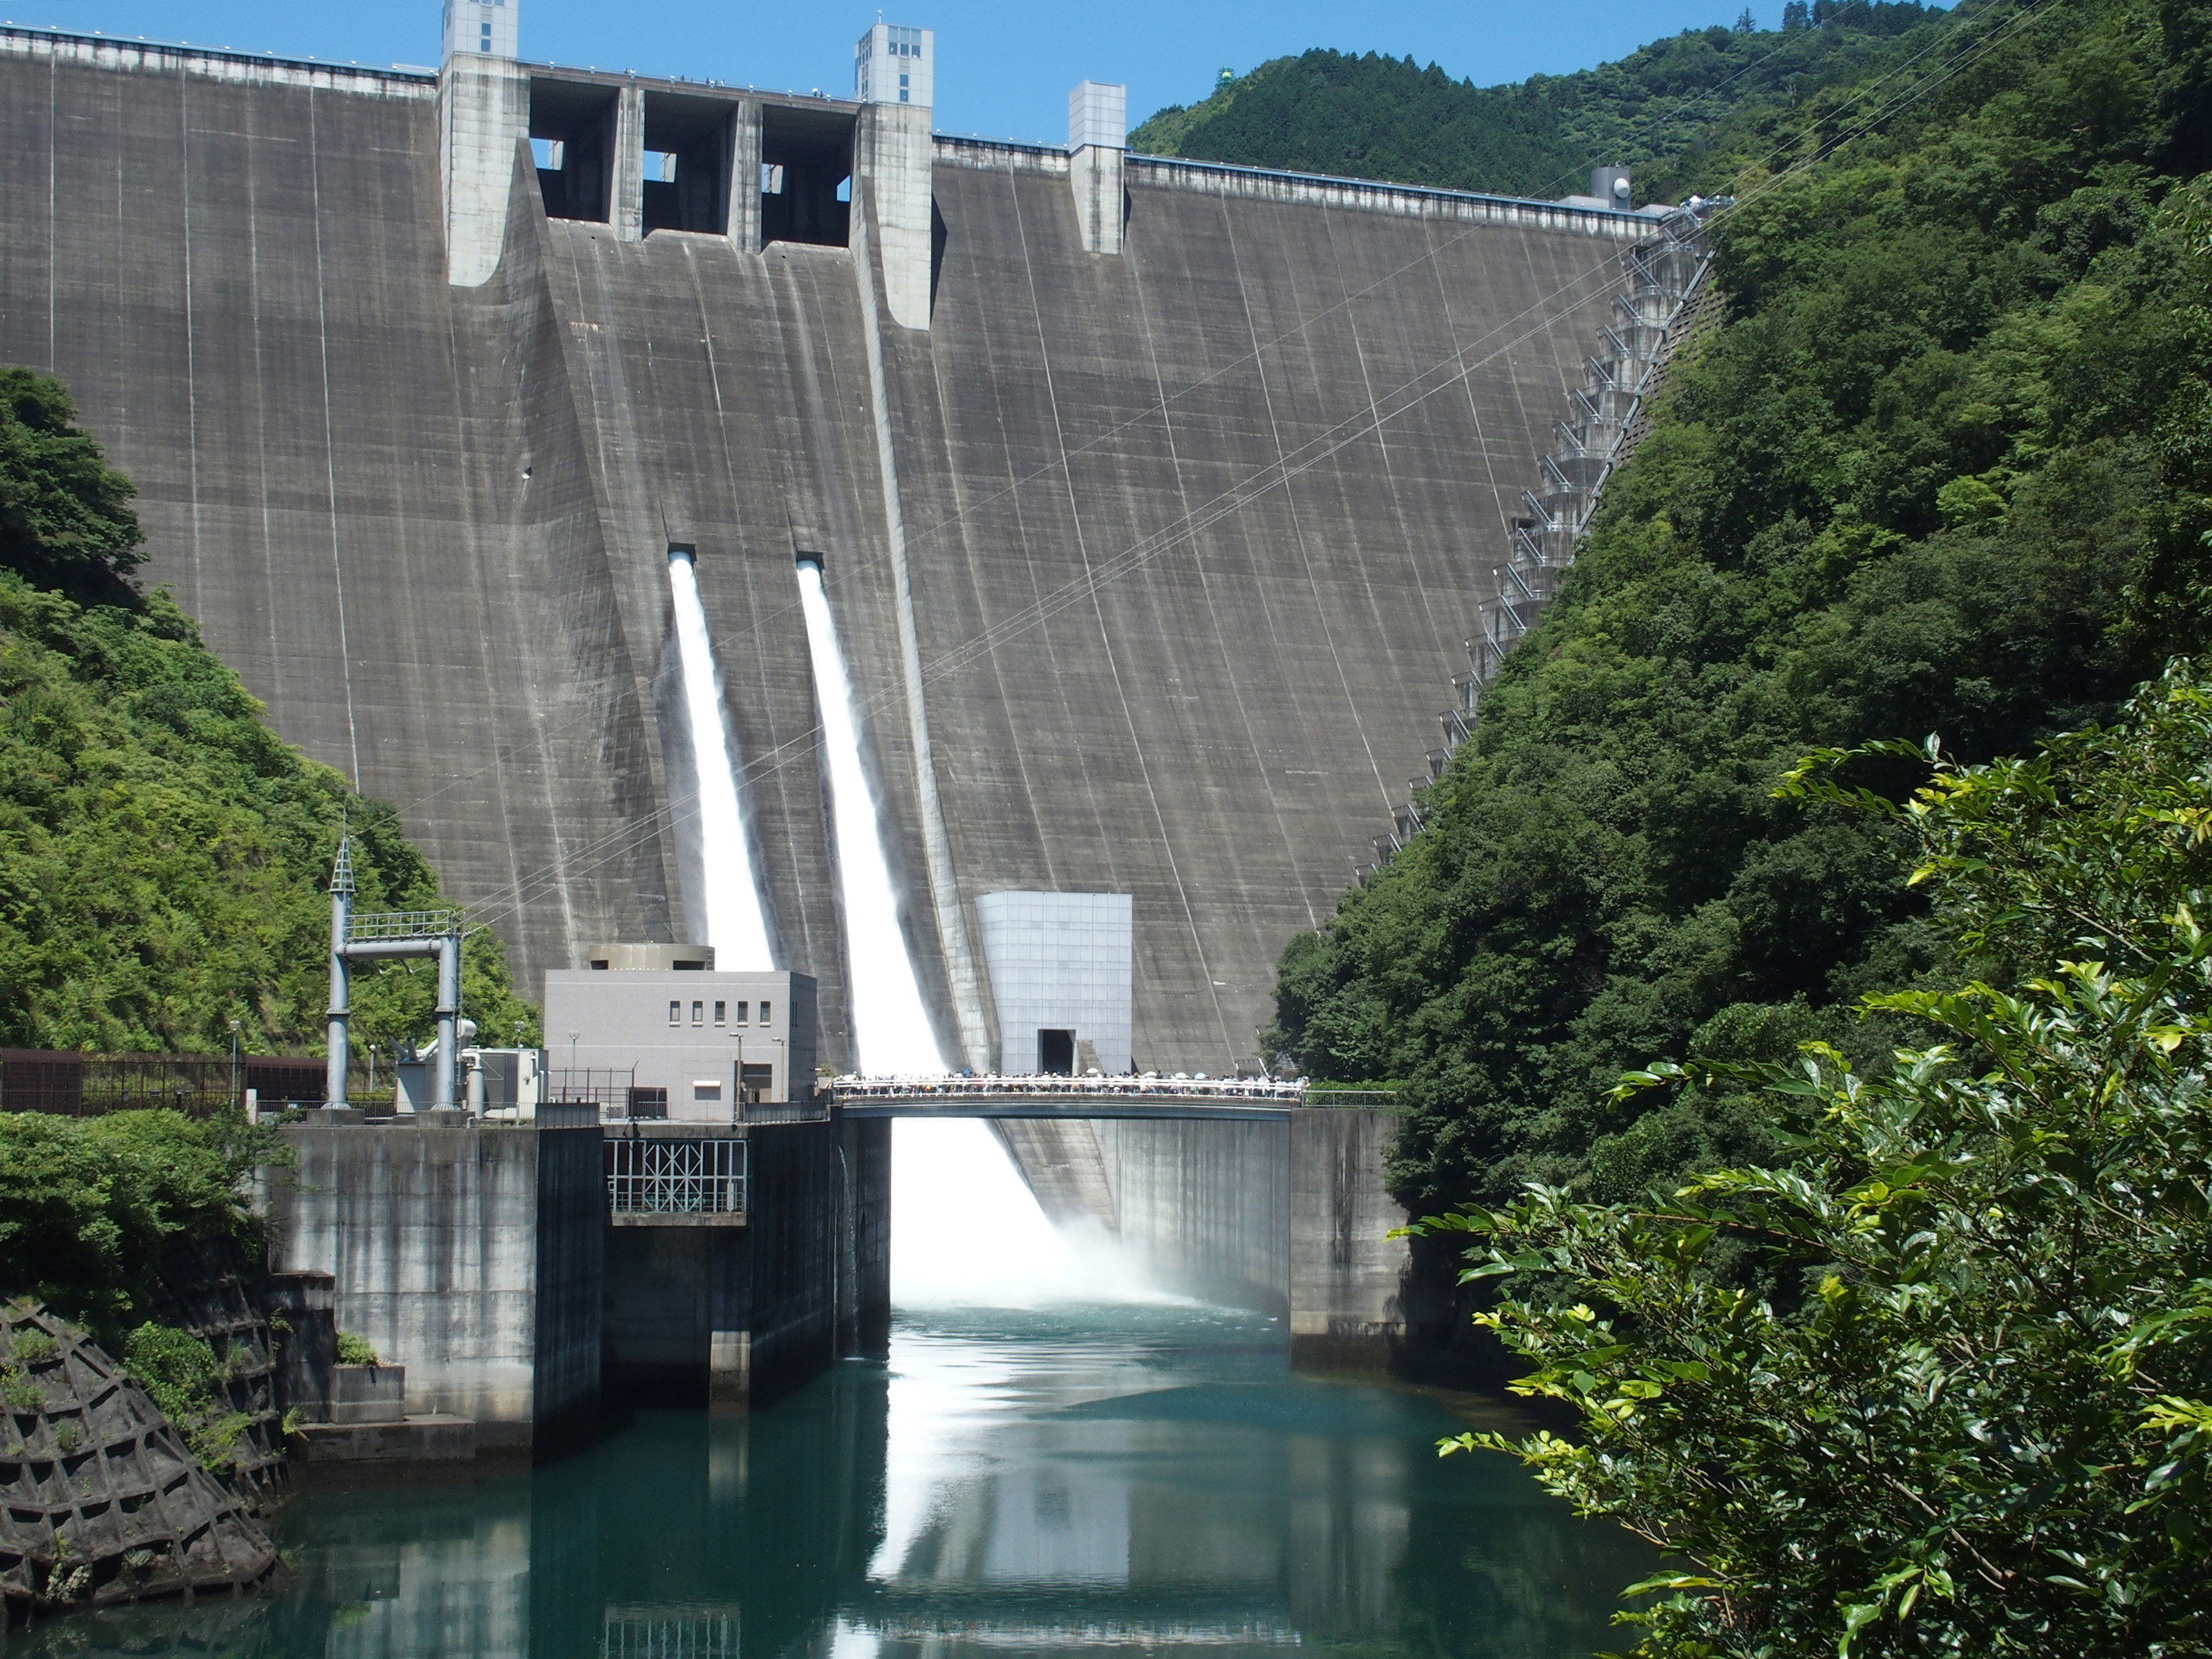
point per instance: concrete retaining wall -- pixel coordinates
(471, 1256)
(1293, 1220)
(1205, 1205)
(1358, 1297)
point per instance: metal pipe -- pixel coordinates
(334, 1076)
(449, 1015)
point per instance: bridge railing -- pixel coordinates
(1280, 1091)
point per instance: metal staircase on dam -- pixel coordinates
(1605, 418)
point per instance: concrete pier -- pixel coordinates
(1098, 136)
(471, 1256)
(730, 1309)
(1358, 1298)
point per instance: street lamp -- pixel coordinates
(236, 1099)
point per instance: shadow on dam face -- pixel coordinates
(806, 158)
(576, 123)
(698, 136)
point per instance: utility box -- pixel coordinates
(506, 1082)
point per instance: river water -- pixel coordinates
(1136, 1477)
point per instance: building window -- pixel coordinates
(698, 1014)
(741, 1014)
(901, 94)
(675, 1013)
(720, 1010)
(706, 1089)
(764, 1007)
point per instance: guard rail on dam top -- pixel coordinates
(1249, 1100)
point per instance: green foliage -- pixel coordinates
(1984, 1424)
(179, 1373)
(1941, 468)
(86, 1205)
(176, 1368)
(355, 1349)
(18, 1391)
(65, 518)
(165, 859)
(1381, 118)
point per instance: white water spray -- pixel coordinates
(890, 1027)
(734, 924)
(965, 1229)
(967, 1232)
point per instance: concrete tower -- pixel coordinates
(484, 114)
(1097, 135)
(894, 65)
(893, 69)
(479, 28)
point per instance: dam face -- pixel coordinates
(1153, 563)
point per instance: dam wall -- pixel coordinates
(1206, 1208)
(1154, 568)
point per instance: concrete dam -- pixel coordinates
(1156, 502)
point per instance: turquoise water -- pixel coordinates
(1130, 1478)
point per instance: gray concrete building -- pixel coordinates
(1060, 969)
(691, 1045)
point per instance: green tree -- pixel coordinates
(164, 857)
(86, 1205)
(65, 517)
(1938, 468)
(1373, 117)
(1964, 1404)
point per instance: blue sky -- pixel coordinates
(1002, 68)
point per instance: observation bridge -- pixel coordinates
(1221, 1100)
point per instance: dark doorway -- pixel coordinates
(1056, 1052)
(690, 139)
(755, 1083)
(572, 133)
(807, 166)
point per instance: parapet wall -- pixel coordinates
(1169, 556)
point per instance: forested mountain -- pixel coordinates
(164, 857)
(1944, 468)
(1383, 118)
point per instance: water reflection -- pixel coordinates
(1097, 1478)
